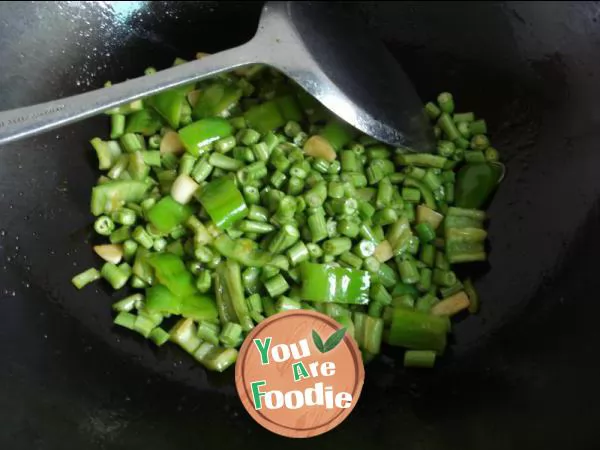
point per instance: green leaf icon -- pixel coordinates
(331, 342)
(334, 340)
(318, 341)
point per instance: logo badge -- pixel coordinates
(299, 373)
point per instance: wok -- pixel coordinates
(520, 375)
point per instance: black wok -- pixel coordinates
(520, 375)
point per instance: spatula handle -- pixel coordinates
(23, 122)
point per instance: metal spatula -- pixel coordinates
(320, 46)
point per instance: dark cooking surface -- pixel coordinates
(521, 375)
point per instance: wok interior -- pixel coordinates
(520, 374)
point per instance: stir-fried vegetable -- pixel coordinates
(237, 198)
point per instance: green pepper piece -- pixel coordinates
(171, 271)
(418, 330)
(202, 132)
(216, 100)
(223, 202)
(167, 214)
(159, 298)
(315, 111)
(475, 184)
(337, 133)
(112, 195)
(199, 307)
(264, 117)
(168, 104)
(325, 283)
(243, 251)
(145, 122)
(289, 108)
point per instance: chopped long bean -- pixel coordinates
(86, 277)
(419, 358)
